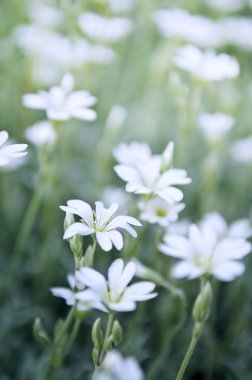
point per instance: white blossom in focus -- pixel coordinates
(11, 152)
(159, 211)
(104, 29)
(214, 126)
(41, 133)
(100, 223)
(196, 29)
(152, 174)
(203, 253)
(61, 103)
(240, 228)
(113, 294)
(241, 150)
(207, 66)
(115, 367)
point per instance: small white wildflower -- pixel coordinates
(61, 103)
(11, 152)
(158, 211)
(216, 125)
(207, 66)
(68, 294)
(118, 6)
(115, 367)
(240, 228)
(132, 154)
(202, 252)
(104, 29)
(196, 29)
(45, 15)
(100, 223)
(226, 5)
(41, 133)
(149, 175)
(113, 294)
(241, 150)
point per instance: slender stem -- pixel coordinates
(107, 333)
(22, 238)
(194, 340)
(56, 354)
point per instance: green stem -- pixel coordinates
(22, 238)
(107, 333)
(57, 354)
(198, 327)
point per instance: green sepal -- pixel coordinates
(40, 334)
(87, 260)
(95, 356)
(97, 334)
(117, 333)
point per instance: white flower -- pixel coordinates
(61, 103)
(153, 175)
(115, 367)
(241, 150)
(203, 253)
(115, 194)
(237, 31)
(114, 294)
(226, 5)
(178, 23)
(207, 66)
(45, 15)
(118, 6)
(69, 294)
(41, 133)
(241, 228)
(104, 29)
(9, 153)
(215, 125)
(158, 211)
(132, 154)
(100, 223)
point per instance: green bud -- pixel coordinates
(88, 257)
(69, 219)
(117, 333)
(40, 334)
(109, 343)
(76, 245)
(97, 334)
(167, 157)
(95, 356)
(202, 305)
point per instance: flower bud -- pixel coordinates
(202, 306)
(97, 334)
(40, 334)
(117, 333)
(167, 157)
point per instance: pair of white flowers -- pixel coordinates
(90, 289)
(210, 248)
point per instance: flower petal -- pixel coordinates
(77, 229)
(104, 241)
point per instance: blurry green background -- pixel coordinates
(162, 104)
